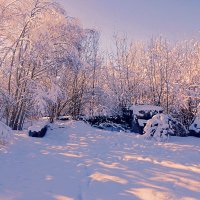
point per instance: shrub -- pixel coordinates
(161, 126)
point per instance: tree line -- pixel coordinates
(50, 66)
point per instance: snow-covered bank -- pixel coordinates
(5, 135)
(76, 161)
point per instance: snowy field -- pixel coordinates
(77, 162)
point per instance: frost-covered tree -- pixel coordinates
(43, 44)
(50, 65)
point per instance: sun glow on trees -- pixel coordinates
(42, 48)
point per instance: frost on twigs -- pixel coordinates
(162, 126)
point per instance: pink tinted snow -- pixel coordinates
(77, 162)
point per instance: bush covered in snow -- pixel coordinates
(140, 115)
(5, 134)
(39, 129)
(161, 126)
(195, 128)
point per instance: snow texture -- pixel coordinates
(77, 162)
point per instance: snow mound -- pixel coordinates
(5, 134)
(161, 126)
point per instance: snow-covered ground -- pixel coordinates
(76, 161)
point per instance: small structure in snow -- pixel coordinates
(194, 128)
(140, 115)
(64, 118)
(38, 130)
(161, 126)
(111, 123)
(110, 127)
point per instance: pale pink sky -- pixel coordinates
(139, 19)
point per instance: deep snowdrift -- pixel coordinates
(5, 134)
(76, 161)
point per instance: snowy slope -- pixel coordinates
(76, 161)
